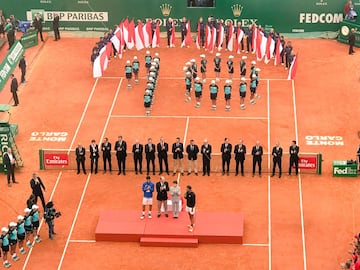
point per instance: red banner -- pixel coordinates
(56, 159)
(307, 162)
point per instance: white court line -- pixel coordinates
(255, 245)
(191, 117)
(208, 79)
(82, 241)
(269, 181)
(42, 220)
(184, 142)
(84, 190)
(300, 183)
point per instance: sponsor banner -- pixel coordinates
(308, 163)
(56, 159)
(70, 16)
(344, 171)
(10, 62)
(29, 39)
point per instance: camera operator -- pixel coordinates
(50, 214)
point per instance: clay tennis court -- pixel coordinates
(303, 222)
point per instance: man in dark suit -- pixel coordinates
(106, 150)
(294, 157)
(192, 151)
(22, 66)
(14, 88)
(178, 155)
(162, 188)
(240, 152)
(120, 148)
(80, 158)
(37, 187)
(56, 26)
(277, 152)
(137, 150)
(150, 156)
(9, 165)
(225, 149)
(94, 156)
(206, 157)
(351, 40)
(162, 149)
(257, 152)
(38, 25)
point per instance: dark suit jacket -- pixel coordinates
(351, 39)
(137, 151)
(14, 85)
(36, 188)
(162, 193)
(106, 149)
(294, 151)
(257, 153)
(192, 154)
(56, 22)
(277, 153)
(6, 160)
(206, 151)
(240, 152)
(22, 63)
(226, 151)
(150, 153)
(162, 152)
(94, 153)
(120, 148)
(178, 151)
(38, 24)
(80, 153)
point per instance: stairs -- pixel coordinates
(15, 150)
(168, 242)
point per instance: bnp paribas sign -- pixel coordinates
(70, 16)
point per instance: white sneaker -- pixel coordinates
(142, 216)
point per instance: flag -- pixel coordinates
(130, 41)
(116, 38)
(254, 38)
(198, 41)
(187, 40)
(139, 36)
(147, 34)
(172, 38)
(100, 63)
(293, 68)
(230, 45)
(156, 37)
(239, 37)
(208, 36)
(221, 36)
(278, 51)
(270, 47)
(260, 45)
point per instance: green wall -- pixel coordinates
(291, 16)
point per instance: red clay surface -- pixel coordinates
(303, 222)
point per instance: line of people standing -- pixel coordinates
(178, 150)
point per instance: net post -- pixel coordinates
(319, 161)
(41, 159)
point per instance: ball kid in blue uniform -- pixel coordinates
(227, 94)
(198, 86)
(214, 89)
(242, 90)
(230, 66)
(21, 234)
(217, 66)
(128, 73)
(5, 246)
(203, 64)
(135, 69)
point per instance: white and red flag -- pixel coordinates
(172, 38)
(147, 34)
(239, 37)
(156, 37)
(208, 37)
(260, 45)
(293, 68)
(187, 40)
(278, 51)
(254, 38)
(100, 63)
(230, 45)
(139, 36)
(270, 47)
(221, 36)
(198, 41)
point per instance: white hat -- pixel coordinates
(156, 54)
(197, 79)
(231, 56)
(202, 55)
(27, 210)
(153, 63)
(151, 79)
(218, 54)
(152, 68)
(152, 73)
(192, 60)
(188, 73)
(185, 68)
(147, 92)
(156, 60)
(227, 81)
(20, 217)
(242, 78)
(257, 69)
(135, 57)
(244, 57)
(127, 61)
(35, 207)
(188, 63)
(4, 229)
(254, 76)
(12, 224)
(253, 62)
(147, 52)
(213, 82)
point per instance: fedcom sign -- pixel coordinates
(320, 18)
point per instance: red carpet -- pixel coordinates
(210, 227)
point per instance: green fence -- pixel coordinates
(291, 16)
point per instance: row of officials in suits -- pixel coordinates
(177, 150)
